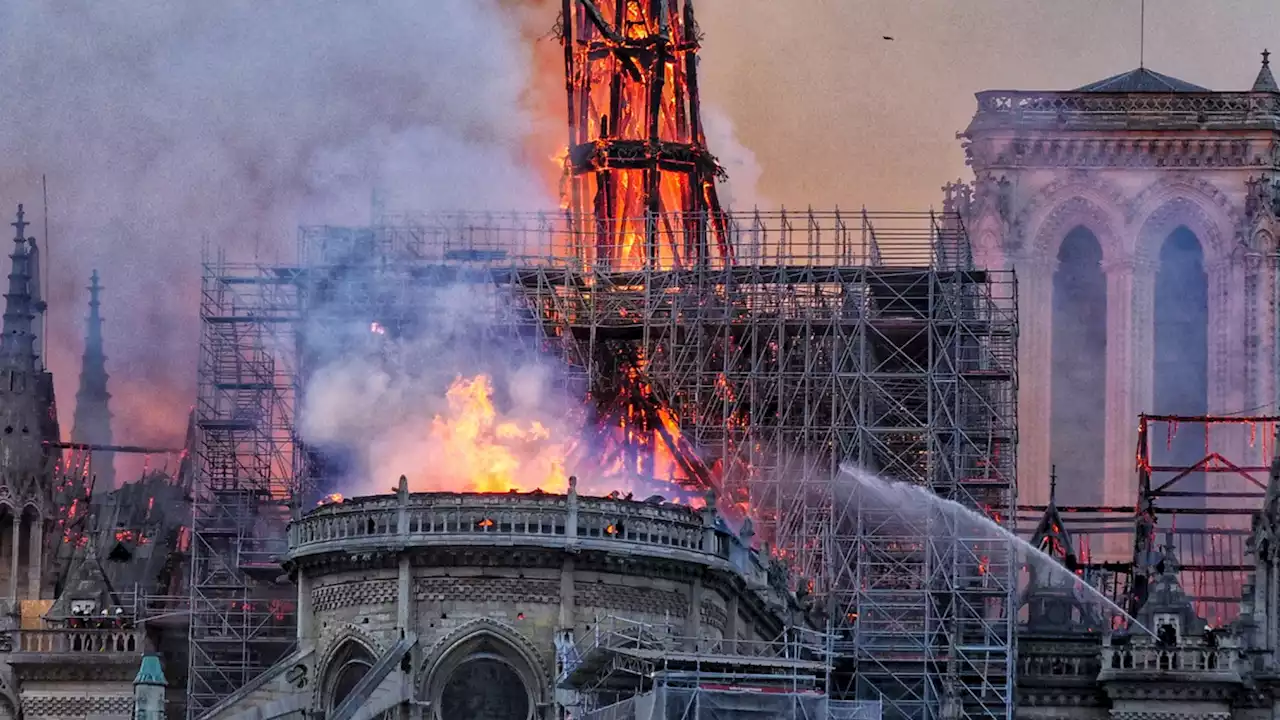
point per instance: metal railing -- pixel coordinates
(796, 647)
(805, 238)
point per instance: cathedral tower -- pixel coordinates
(1138, 212)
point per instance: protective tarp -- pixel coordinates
(666, 703)
(693, 704)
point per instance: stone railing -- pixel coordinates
(513, 519)
(97, 642)
(1058, 665)
(1035, 108)
(1120, 662)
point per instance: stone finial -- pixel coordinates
(573, 484)
(1265, 82)
(403, 487)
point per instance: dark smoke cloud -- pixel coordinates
(162, 126)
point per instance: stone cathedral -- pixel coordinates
(1140, 214)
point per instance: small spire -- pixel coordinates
(1053, 484)
(18, 343)
(1266, 82)
(92, 424)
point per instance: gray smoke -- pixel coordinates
(444, 400)
(162, 126)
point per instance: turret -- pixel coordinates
(93, 414)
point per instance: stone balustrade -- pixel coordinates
(67, 641)
(527, 519)
(1122, 661)
(1056, 107)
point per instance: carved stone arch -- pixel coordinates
(1076, 211)
(1107, 198)
(1262, 241)
(495, 639)
(342, 640)
(1175, 212)
(1183, 199)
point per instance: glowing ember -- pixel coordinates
(330, 499)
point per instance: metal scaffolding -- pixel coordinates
(1200, 480)
(643, 671)
(823, 338)
(247, 479)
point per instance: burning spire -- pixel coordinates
(20, 307)
(637, 166)
(93, 414)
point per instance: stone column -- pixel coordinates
(306, 621)
(404, 586)
(1121, 423)
(1143, 337)
(693, 621)
(15, 527)
(1227, 376)
(35, 559)
(1035, 397)
(731, 611)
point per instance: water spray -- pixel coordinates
(904, 497)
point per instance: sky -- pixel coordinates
(836, 116)
(166, 129)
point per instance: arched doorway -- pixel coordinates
(345, 671)
(484, 676)
(1079, 370)
(1180, 367)
(485, 688)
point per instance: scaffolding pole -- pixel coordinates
(246, 485)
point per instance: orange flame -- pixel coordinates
(482, 452)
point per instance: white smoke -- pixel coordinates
(740, 191)
(165, 125)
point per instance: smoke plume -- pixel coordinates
(447, 406)
(165, 126)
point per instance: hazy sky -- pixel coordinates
(838, 116)
(163, 127)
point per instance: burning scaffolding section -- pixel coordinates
(639, 179)
(830, 338)
(1200, 479)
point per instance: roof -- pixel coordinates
(1142, 80)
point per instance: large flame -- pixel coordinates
(489, 454)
